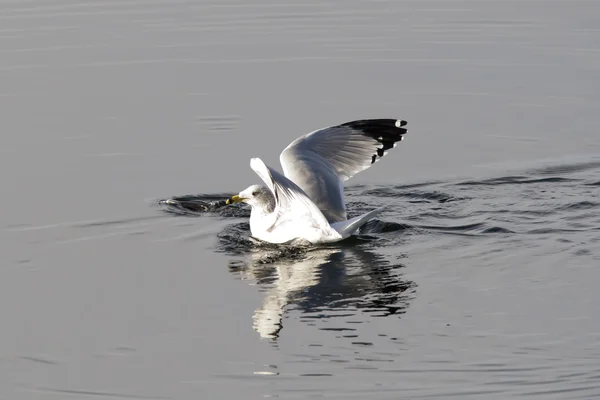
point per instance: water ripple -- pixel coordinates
(340, 290)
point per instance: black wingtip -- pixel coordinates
(385, 131)
(377, 127)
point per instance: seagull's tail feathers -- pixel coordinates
(348, 227)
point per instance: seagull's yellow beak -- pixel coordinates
(234, 199)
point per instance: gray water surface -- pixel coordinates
(480, 282)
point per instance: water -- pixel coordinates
(481, 282)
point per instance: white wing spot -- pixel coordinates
(380, 138)
(398, 123)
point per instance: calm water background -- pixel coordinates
(487, 285)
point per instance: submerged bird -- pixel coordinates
(307, 202)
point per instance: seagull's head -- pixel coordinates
(256, 196)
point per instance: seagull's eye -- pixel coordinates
(254, 193)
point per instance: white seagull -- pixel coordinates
(307, 202)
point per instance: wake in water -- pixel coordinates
(235, 238)
(554, 199)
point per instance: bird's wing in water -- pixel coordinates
(321, 161)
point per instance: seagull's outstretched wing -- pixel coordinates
(296, 214)
(321, 161)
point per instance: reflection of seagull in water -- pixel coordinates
(322, 280)
(291, 277)
(308, 202)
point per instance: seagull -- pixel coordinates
(306, 202)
